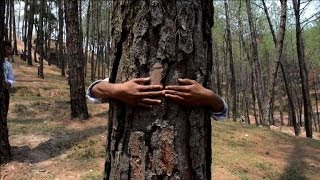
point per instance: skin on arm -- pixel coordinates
(132, 92)
(190, 92)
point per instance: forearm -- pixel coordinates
(215, 102)
(104, 90)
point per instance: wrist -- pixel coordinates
(215, 102)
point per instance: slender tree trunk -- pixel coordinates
(25, 36)
(14, 33)
(278, 41)
(169, 141)
(303, 71)
(292, 112)
(76, 61)
(60, 38)
(19, 19)
(30, 29)
(260, 89)
(87, 35)
(9, 20)
(231, 66)
(40, 39)
(216, 66)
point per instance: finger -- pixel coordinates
(144, 105)
(175, 97)
(179, 88)
(173, 92)
(151, 88)
(141, 80)
(150, 101)
(151, 93)
(186, 81)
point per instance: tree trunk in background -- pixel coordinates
(25, 36)
(303, 71)
(75, 61)
(5, 150)
(292, 112)
(30, 29)
(109, 9)
(86, 56)
(14, 33)
(278, 42)
(216, 69)
(19, 19)
(60, 38)
(169, 141)
(8, 21)
(233, 78)
(41, 39)
(259, 87)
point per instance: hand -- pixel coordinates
(134, 92)
(190, 92)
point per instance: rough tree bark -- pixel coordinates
(5, 150)
(170, 40)
(75, 62)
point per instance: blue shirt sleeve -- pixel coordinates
(89, 95)
(221, 115)
(8, 72)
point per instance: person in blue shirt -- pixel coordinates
(8, 75)
(136, 93)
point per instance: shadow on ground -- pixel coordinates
(55, 146)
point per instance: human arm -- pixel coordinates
(191, 93)
(9, 74)
(132, 92)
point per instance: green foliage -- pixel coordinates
(312, 46)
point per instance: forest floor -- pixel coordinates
(47, 144)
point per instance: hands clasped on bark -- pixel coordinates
(136, 93)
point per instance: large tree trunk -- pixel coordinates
(5, 152)
(170, 141)
(303, 71)
(75, 62)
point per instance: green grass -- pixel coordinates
(251, 152)
(33, 126)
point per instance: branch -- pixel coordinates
(305, 7)
(307, 21)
